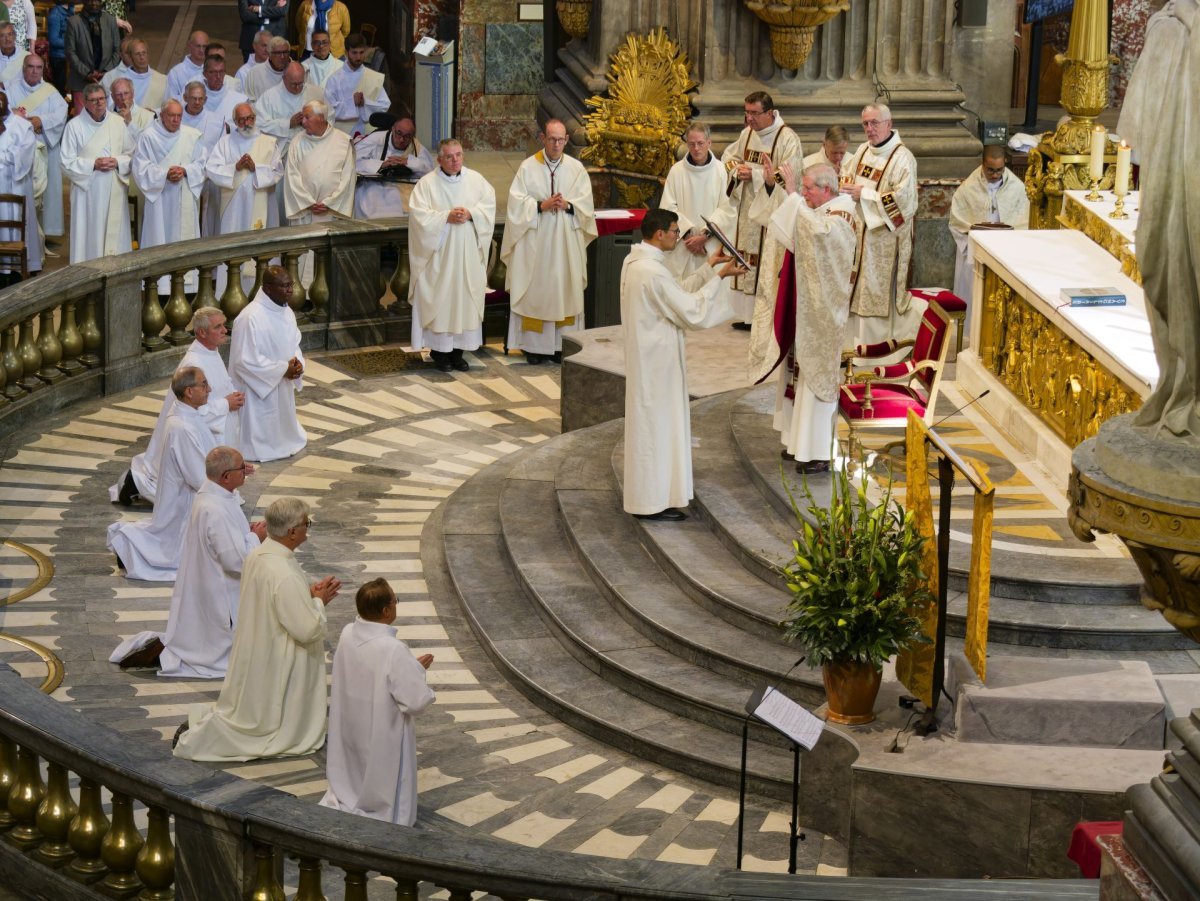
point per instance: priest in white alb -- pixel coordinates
(378, 688)
(695, 189)
(245, 166)
(318, 180)
(267, 75)
(550, 222)
(266, 363)
(381, 155)
(190, 68)
(656, 312)
(273, 700)
(817, 227)
(149, 85)
(12, 57)
(204, 601)
(990, 196)
(210, 331)
(322, 63)
(260, 50)
(356, 91)
(221, 91)
(281, 109)
(18, 150)
(451, 215)
(95, 157)
(38, 102)
(197, 116)
(149, 548)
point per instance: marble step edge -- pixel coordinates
(1064, 584)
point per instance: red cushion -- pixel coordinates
(888, 401)
(882, 349)
(949, 302)
(895, 370)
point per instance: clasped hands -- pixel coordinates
(295, 369)
(553, 204)
(458, 215)
(246, 162)
(326, 590)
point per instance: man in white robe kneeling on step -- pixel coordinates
(379, 686)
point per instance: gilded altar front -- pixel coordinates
(1116, 236)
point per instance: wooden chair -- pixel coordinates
(368, 32)
(14, 250)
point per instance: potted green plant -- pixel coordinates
(855, 578)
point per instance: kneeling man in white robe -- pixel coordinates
(272, 703)
(451, 214)
(149, 548)
(817, 228)
(378, 689)
(204, 602)
(656, 310)
(265, 362)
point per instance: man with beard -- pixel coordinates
(96, 151)
(356, 91)
(245, 167)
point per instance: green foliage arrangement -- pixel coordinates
(855, 576)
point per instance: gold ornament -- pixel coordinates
(575, 16)
(793, 25)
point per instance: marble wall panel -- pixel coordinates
(494, 134)
(499, 106)
(483, 12)
(513, 58)
(470, 58)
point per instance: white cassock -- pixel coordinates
(247, 198)
(223, 102)
(265, 337)
(371, 756)
(150, 548)
(978, 200)
(821, 159)
(656, 310)
(319, 170)
(782, 144)
(99, 200)
(276, 107)
(319, 70)
(204, 602)
(210, 126)
(880, 306)
(697, 193)
(546, 253)
(145, 466)
(449, 262)
(172, 209)
(272, 703)
(340, 88)
(11, 66)
(18, 147)
(376, 198)
(823, 242)
(261, 78)
(44, 101)
(149, 87)
(240, 75)
(181, 75)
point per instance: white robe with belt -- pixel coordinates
(49, 106)
(265, 338)
(150, 548)
(449, 262)
(656, 311)
(272, 703)
(99, 200)
(371, 758)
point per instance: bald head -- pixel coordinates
(293, 78)
(197, 46)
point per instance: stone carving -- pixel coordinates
(575, 16)
(793, 24)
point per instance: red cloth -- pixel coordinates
(1085, 850)
(949, 301)
(785, 312)
(887, 401)
(616, 226)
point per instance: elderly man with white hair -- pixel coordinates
(122, 101)
(259, 48)
(282, 107)
(244, 167)
(38, 102)
(96, 149)
(190, 68)
(882, 181)
(318, 181)
(273, 701)
(266, 75)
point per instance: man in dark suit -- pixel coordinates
(93, 47)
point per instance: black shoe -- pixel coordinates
(556, 357)
(783, 453)
(668, 515)
(534, 359)
(442, 360)
(129, 492)
(457, 361)
(811, 467)
(120, 562)
(742, 326)
(183, 727)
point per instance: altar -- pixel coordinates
(1056, 372)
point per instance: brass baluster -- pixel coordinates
(8, 775)
(206, 296)
(50, 348)
(92, 340)
(153, 318)
(318, 291)
(297, 300)
(31, 357)
(266, 886)
(458, 894)
(156, 861)
(356, 885)
(54, 818)
(402, 275)
(497, 271)
(24, 797)
(178, 312)
(309, 886)
(234, 300)
(291, 262)
(120, 848)
(11, 360)
(71, 340)
(87, 833)
(406, 889)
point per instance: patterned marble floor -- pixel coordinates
(383, 453)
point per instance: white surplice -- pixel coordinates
(546, 253)
(18, 147)
(319, 70)
(149, 87)
(261, 78)
(99, 200)
(11, 66)
(977, 200)
(150, 548)
(172, 209)
(340, 88)
(697, 193)
(276, 107)
(210, 126)
(44, 101)
(272, 703)
(181, 75)
(246, 200)
(449, 262)
(224, 101)
(381, 198)
(371, 758)
(319, 169)
(656, 311)
(265, 338)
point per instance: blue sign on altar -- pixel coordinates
(1044, 9)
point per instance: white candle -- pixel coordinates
(1096, 163)
(1121, 182)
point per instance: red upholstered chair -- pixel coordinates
(881, 397)
(955, 307)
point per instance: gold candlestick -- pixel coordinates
(1094, 194)
(1119, 212)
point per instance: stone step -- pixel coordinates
(529, 652)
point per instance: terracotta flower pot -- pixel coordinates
(851, 688)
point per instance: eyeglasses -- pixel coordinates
(673, 230)
(556, 140)
(998, 170)
(242, 468)
(871, 123)
(404, 134)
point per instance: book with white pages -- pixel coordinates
(781, 713)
